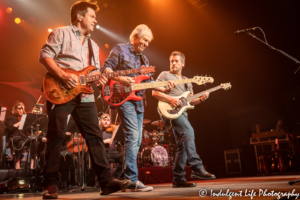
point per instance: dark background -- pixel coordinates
(264, 86)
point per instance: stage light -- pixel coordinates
(21, 182)
(18, 20)
(9, 10)
(106, 46)
(49, 30)
(97, 26)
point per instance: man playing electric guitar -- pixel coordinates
(124, 57)
(71, 47)
(182, 129)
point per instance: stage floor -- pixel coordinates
(266, 187)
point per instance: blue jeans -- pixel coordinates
(132, 122)
(186, 149)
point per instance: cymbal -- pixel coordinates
(158, 123)
(146, 121)
(40, 105)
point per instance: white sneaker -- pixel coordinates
(138, 187)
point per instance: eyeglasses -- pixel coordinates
(20, 108)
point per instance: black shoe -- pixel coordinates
(185, 183)
(114, 186)
(50, 192)
(202, 174)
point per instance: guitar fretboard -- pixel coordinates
(92, 78)
(201, 93)
(155, 84)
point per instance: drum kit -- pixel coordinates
(157, 149)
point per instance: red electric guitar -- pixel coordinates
(56, 92)
(116, 94)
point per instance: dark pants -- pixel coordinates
(86, 118)
(186, 148)
(116, 157)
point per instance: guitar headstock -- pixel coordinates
(147, 69)
(202, 80)
(226, 86)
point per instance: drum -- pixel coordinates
(145, 138)
(155, 156)
(154, 136)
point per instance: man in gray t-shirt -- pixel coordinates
(182, 129)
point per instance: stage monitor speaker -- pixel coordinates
(233, 161)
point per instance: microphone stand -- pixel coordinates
(278, 50)
(287, 55)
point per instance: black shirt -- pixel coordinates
(106, 135)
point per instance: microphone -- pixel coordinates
(244, 31)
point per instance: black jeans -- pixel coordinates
(86, 118)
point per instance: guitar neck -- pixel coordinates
(201, 93)
(92, 78)
(155, 84)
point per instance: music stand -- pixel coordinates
(28, 122)
(73, 128)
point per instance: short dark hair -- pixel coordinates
(178, 53)
(81, 8)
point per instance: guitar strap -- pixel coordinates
(91, 51)
(142, 60)
(186, 85)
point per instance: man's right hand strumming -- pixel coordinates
(127, 81)
(176, 102)
(70, 80)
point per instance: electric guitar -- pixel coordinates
(170, 112)
(116, 93)
(57, 93)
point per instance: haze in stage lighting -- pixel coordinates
(9, 10)
(18, 20)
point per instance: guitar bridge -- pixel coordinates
(174, 111)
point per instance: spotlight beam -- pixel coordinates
(113, 35)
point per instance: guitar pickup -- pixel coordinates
(117, 89)
(82, 80)
(107, 90)
(127, 89)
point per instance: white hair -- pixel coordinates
(139, 31)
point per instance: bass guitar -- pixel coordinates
(116, 93)
(170, 112)
(57, 92)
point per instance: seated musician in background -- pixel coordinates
(18, 138)
(108, 134)
(182, 128)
